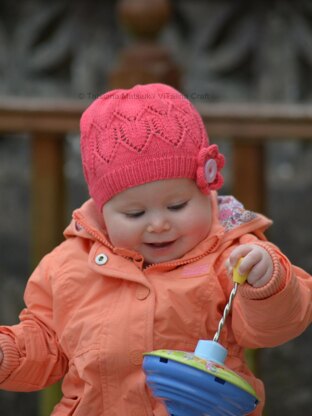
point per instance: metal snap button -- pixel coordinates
(142, 292)
(101, 259)
(78, 227)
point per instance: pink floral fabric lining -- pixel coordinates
(232, 213)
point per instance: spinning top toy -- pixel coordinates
(199, 384)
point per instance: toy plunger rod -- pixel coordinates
(237, 279)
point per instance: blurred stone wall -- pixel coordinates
(228, 51)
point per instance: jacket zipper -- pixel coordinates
(97, 236)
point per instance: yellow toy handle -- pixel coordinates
(237, 277)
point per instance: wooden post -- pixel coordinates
(48, 214)
(48, 188)
(248, 173)
(145, 60)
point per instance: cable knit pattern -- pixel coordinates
(147, 133)
(10, 357)
(275, 284)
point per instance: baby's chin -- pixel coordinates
(150, 261)
(159, 259)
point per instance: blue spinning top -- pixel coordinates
(198, 384)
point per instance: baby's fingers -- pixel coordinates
(256, 274)
(238, 253)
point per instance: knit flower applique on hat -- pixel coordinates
(210, 162)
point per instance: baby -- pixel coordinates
(146, 264)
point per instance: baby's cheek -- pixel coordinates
(201, 225)
(118, 238)
(197, 231)
(114, 233)
(124, 235)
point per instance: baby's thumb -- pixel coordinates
(229, 268)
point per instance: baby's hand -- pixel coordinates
(257, 263)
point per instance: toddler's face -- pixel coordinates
(161, 220)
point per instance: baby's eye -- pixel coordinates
(134, 214)
(177, 207)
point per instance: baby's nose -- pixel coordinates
(158, 225)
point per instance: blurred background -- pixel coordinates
(245, 64)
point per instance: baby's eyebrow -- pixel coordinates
(131, 206)
(179, 201)
(133, 209)
(180, 197)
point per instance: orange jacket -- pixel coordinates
(92, 310)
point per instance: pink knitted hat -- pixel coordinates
(144, 134)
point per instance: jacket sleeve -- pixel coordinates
(277, 312)
(33, 358)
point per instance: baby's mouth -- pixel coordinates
(160, 245)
